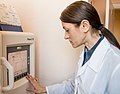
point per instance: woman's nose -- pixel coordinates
(66, 36)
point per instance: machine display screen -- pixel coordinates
(19, 58)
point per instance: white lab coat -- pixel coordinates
(99, 75)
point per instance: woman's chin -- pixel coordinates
(74, 46)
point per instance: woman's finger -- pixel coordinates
(30, 90)
(36, 79)
(33, 90)
(30, 77)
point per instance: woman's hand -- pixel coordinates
(37, 88)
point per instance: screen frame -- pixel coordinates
(18, 48)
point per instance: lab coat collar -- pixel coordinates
(95, 62)
(99, 54)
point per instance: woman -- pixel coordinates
(99, 65)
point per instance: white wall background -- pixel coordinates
(55, 57)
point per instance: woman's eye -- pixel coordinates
(67, 30)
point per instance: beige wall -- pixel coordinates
(55, 57)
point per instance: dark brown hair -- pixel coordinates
(80, 10)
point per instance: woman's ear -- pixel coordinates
(85, 25)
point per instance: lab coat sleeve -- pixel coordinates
(66, 87)
(114, 86)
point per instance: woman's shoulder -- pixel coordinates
(114, 50)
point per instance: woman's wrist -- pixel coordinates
(44, 90)
(41, 90)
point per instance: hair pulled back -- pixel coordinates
(81, 10)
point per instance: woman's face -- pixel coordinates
(74, 34)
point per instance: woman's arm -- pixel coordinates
(66, 87)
